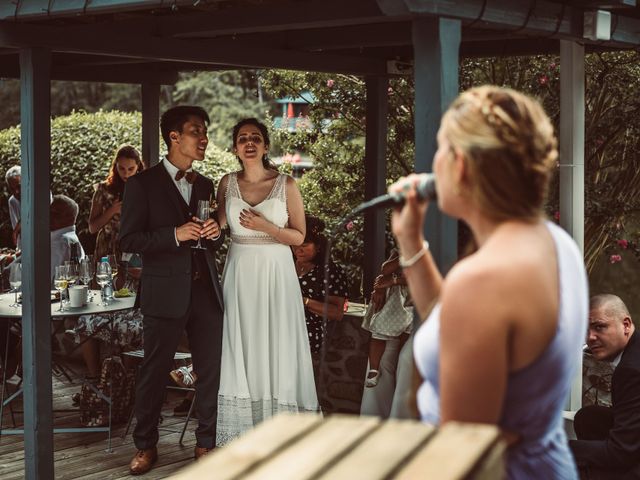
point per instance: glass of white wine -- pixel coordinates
(203, 215)
(15, 280)
(60, 282)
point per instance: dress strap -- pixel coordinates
(233, 190)
(280, 188)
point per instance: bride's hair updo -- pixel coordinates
(509, 150)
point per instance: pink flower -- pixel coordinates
(553, 65)
(330, 83)
(389, 90)
(543, 79)
(615, 258)
(557, 216)
(349, 226)
(623, 243)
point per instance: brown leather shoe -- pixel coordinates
(143, 461)
(201, 452)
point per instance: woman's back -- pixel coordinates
(534, 394)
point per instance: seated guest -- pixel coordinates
(309, 259)
(13, 178)
(608, 444)
(63, 213)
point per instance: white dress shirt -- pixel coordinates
(182, 185)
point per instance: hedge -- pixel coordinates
(82, 148)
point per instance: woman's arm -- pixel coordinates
(221, 201)
(335, 307)
(99, 216)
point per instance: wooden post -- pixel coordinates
(150, 123)
(35, 122)
(572, 127)
(375, 164)
(436, 44)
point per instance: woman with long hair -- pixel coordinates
(266, 363)
(501, 344)
(104, 218)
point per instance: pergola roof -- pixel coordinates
(136, 40)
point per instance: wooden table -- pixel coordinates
(345, 447)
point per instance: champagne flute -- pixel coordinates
(60, 282)
(15, 280)
(202, 215)
(103, 277)
(72, 272)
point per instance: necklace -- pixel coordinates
(303, 269)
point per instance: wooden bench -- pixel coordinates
(349, 447)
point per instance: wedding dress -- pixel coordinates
(266, 362)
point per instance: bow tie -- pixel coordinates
(189, 176)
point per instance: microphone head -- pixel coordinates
(426, 188)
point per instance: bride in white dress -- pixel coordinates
(266, 362)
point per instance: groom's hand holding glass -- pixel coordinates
(196, 229)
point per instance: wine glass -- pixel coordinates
(72, 272)
(60, 282)
(15, 280)
(202, 214)
(103, 277)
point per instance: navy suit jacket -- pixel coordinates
(621, 449)
(152, 208)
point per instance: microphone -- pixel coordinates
(426, 190)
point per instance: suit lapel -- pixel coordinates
(174, 194)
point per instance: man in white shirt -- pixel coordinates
(64, 212)
(13, 177)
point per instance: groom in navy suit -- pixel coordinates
(179, 286)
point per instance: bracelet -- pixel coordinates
(306, 301)
(411, 261)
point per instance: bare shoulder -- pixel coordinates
(223, 181)
(291, 182)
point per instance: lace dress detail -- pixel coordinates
(266, 361)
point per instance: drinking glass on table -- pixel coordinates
(60, 282)
(85, 273)
(103, 277)
(202, 215)
(15, 280)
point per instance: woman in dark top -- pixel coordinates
(309, 259)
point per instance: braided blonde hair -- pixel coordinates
(509, 150)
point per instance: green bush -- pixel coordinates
(82, 148)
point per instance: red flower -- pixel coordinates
(543, 79)
(349, 226)
(623, 243)
(615, 258)
(557, 216)
(330, 83)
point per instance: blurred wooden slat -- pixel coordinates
(317, 451)
(455, 452)
(382, 451)
(252, 448)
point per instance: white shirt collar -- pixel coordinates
(616, 360)
(172, 169)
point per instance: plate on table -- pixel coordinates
(123, 293)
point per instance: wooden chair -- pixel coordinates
(178, 356)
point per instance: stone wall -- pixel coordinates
(344, 365)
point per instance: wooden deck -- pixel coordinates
(84, 455)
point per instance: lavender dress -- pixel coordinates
(536, 394)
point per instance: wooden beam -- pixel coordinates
(35, 130)
(150, 123)
(525, 17)
(436, 43)
(375, 172)
(572, 135)
(147, 47)
(270, 17)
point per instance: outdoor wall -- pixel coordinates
(344, 366)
